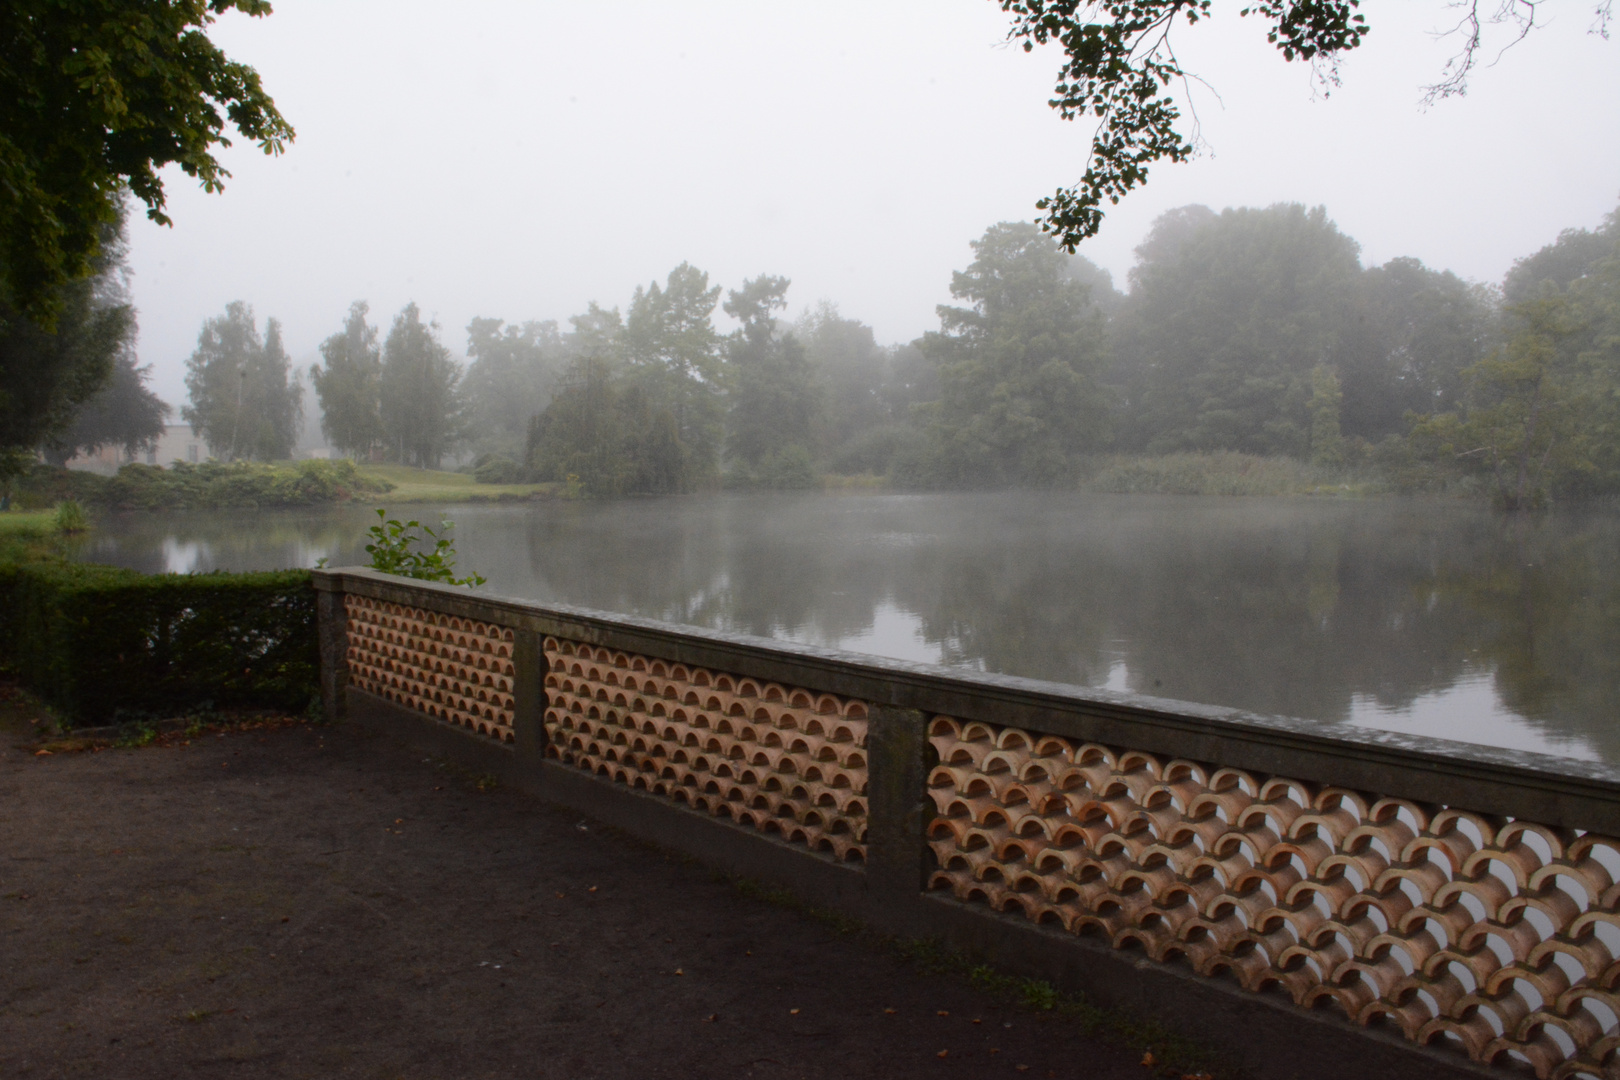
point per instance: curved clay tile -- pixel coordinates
(820, 811)
(1373, 904)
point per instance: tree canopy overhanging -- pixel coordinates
(97, 96)
(1120, 67)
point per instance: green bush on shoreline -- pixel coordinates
(1226, 473)
(209, 486)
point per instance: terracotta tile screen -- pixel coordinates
(455, 670)
(783, 760)
(1499, 935)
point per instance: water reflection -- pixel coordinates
(183, 556)
(1433, 618)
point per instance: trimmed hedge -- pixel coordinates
(104, 644)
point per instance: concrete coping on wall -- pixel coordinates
(1554, 791)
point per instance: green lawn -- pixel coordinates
(30, 522)
(431, 485)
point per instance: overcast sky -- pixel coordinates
(519, 160)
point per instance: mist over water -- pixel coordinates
(1429, 617)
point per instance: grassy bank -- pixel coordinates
(408, 485)
(27, 524)
(1220, 473)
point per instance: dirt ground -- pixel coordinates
(316, 902)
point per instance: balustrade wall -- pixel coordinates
(1458, 898)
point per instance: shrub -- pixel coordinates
(788, 468)
(209, 486)
(392, 551)
(874, 451)
(102, 643)
(502, 470)
(1219, 473)
(70, 518)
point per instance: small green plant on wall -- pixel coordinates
(394, 550)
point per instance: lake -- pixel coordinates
(1421, 616)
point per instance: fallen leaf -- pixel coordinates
(943, 1053)
(1148, 1060)
(399, 821)
(793, 1012)
(891, 1012)
(591, 889)
(42, 753)
(678, 971)
(943, 1012)
(976, 1020)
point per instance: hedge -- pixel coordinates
(103, 644)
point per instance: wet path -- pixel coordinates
(314, 902)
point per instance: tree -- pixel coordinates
(1541, 416)
(1227, 317)
(97, 96)
(1576, 255)
(852, 370)
(123, 413)
(1119, 64)
(774, 396)
(45, 377)
(349, 386)
(276, 400)
(673, 352)
(1327, 441)
(243, 403)
(1521, 423)
(419, 391)
(604, 433)
(510, 379)
(1412, 333)
(1020, 394)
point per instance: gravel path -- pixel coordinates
(316, 902)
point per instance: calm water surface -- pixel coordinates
(1439, 619)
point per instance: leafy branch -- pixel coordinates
(1118, 66)
(1470, 27)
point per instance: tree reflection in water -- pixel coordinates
(1397, 613)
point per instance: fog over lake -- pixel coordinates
(1433, 618)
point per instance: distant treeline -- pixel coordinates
(1255, 331)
